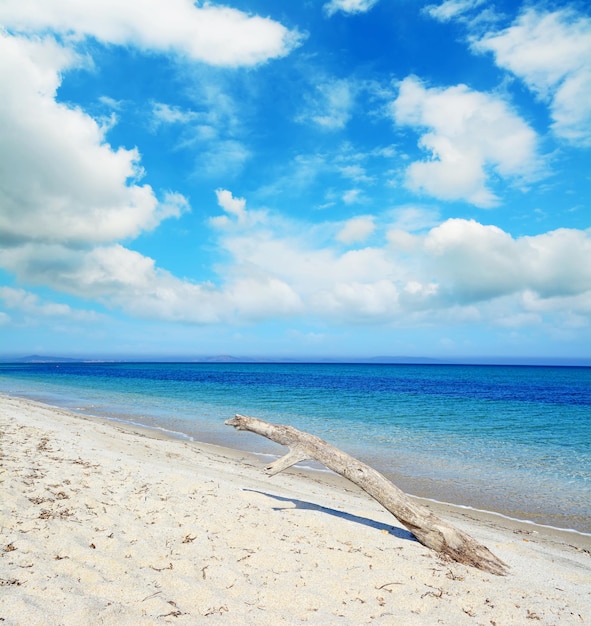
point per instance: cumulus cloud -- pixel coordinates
(477, 262)
(124, 279)
(467, 134)
(236, 215)
(68, 197)
(456, 268)
(61, 180)
(232, 205)
(25, 303)
(360, 302)
(356, 230)
(551, 53)
(214, 35)
(459, 269)
(349, 6)
(64, 190)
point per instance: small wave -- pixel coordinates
(507, 517)
(173, 433)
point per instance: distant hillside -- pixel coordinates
(227, 358)
(35, 358)
(222, 358)
(369, 360)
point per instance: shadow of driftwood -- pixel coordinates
(309, 506)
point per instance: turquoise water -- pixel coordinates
(516, 440)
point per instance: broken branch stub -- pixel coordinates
(430, 530)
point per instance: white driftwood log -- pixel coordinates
(430, 530)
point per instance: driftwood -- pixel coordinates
(430, 530)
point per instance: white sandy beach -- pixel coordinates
(105, 524)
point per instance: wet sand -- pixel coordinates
(108, 524)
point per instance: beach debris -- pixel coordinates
(161, 569)
(213, 610)
(428, 529)
(385, 585)
(152, 595)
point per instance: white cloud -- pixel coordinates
(111, 103)
(474, 262)
(124, 279)
(312, 272)
(413, 218)
(225, 157)
(356, 230)
(551, 52)
(360, 302)
(466, 133)
(29, 304)
(351, 196)
(451, 9)
(254, 298)
(354, 172)
(214, 35)
(61, 180)
(166, 114)
(402, 241)
(303, 170)
(67, 196)
(212, 130)
(477, 261)
(349, 6)
(235, 208)
(215, 115)
(331, 105)
(232, 205)
(457, 270)
(577, 307)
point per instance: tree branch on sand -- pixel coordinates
(429, 529)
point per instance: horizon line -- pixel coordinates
(375, 360)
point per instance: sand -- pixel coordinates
(105, 524)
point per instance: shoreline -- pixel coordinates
(111, 523)
(403, 481)
(524, 461)
(332, 479)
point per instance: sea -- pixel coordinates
(514, 440)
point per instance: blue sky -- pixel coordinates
(322, 178)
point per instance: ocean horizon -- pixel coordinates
(510, 439)
(305, 360)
